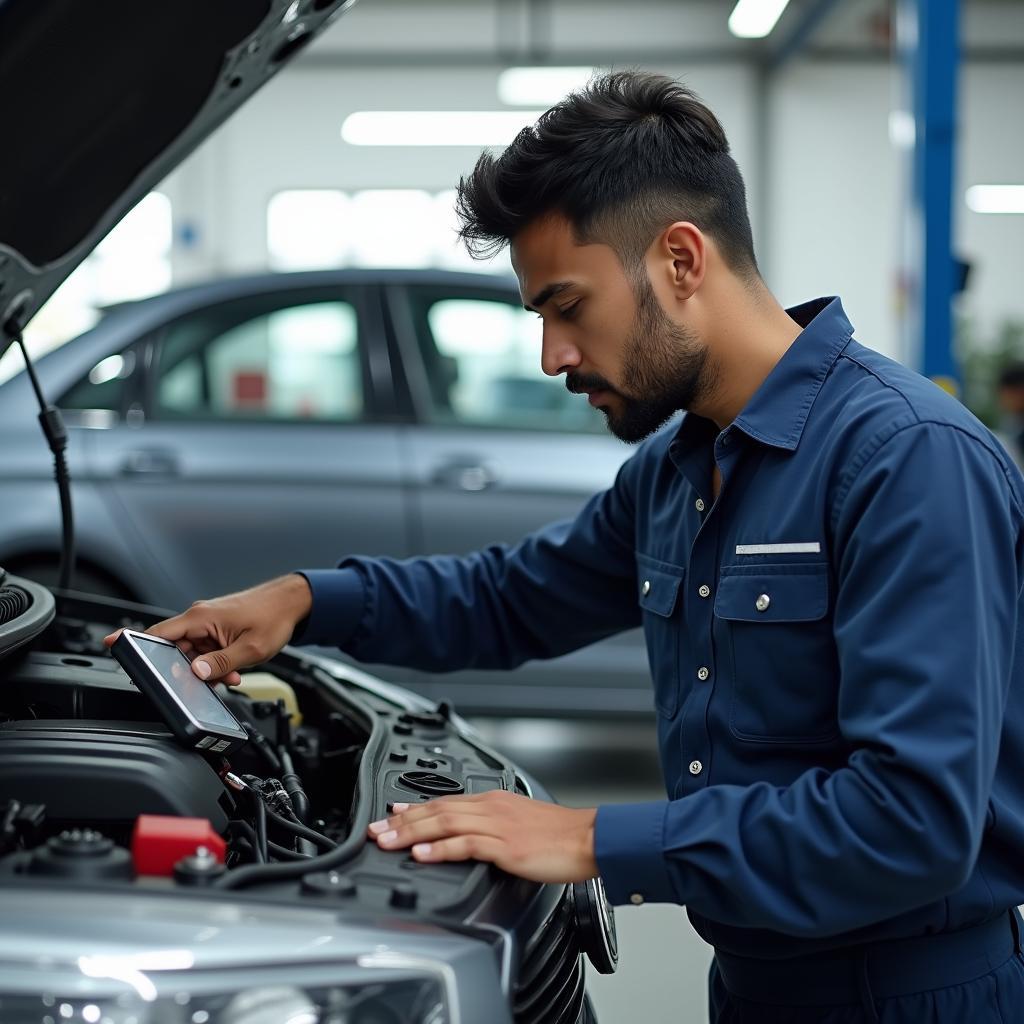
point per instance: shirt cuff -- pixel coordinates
(630, 854)
(339, 601)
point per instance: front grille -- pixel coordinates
(549, 989)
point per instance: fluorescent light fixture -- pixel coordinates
(754, 19)
(996, 198)
(540, 86)
(435, 127)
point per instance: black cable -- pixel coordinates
(260, 742)
(354, 842)
(261, 825)
(57, 438)
(283, 851)
(293, 785)
(299, 830)
(249, 834)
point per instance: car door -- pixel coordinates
(499, 450)
(257, 444)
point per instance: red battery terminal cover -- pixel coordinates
(160, 841)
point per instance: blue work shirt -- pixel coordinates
(834, 644)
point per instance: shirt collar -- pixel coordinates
(778, 410)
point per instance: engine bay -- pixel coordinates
(97, 796)
(84, 757)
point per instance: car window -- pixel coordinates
(103, 388)
(297, 363)
(482, 362)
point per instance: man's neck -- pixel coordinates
(747, 339)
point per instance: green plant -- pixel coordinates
(981, 362)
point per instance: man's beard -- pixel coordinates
(663, 362)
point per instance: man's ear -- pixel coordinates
(679, 258)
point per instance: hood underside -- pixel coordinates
(103, 100)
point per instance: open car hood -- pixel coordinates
(102, 100)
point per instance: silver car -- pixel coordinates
(232, 431)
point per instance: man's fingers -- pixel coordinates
(438, 826)
(223, 663)
(473, 847)
(444, 808)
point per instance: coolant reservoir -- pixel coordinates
(266, 686)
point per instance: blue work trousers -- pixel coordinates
(972, 977)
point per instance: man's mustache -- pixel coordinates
(580, 383)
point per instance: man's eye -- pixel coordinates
(570, 311)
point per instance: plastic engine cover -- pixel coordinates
(107, 773)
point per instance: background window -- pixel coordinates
(296, 363)
(104, 386)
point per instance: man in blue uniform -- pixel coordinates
(826, 557)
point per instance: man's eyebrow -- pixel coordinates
(546, 293)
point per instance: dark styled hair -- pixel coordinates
(621, 159)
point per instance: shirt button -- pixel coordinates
(705, 590)
(762, 603)
(696, 767)
(646, 588)
(702, 673)
(700, 504)
(636, 899)
(727, 439)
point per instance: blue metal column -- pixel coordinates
(931, 53)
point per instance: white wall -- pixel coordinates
(835, 183)
(834, 218)
(991, 152)
(288, 136)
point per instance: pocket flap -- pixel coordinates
(793, 594)
(657, 590)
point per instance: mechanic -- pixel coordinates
(825, 554)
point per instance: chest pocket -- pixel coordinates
(781, 652)
(658, 594)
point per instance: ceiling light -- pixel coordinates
(540, 86)
(754, 19)
(996, 198)
(435, 127)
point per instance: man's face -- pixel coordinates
(611, 339)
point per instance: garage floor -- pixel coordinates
(662, 963)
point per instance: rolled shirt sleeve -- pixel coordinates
(926, 540)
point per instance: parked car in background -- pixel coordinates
(227, 432)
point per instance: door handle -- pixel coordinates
(149, 462)
(465, 475)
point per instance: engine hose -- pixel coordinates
(299, 830)
(261, 826)
(293, 785)
(248, 834)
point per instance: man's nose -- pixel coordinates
(557, 354)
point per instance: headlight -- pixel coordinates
(595, 920)
(126, 990)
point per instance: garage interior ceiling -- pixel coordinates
(492, 33)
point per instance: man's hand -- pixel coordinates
(236, 630)
(535, 840)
